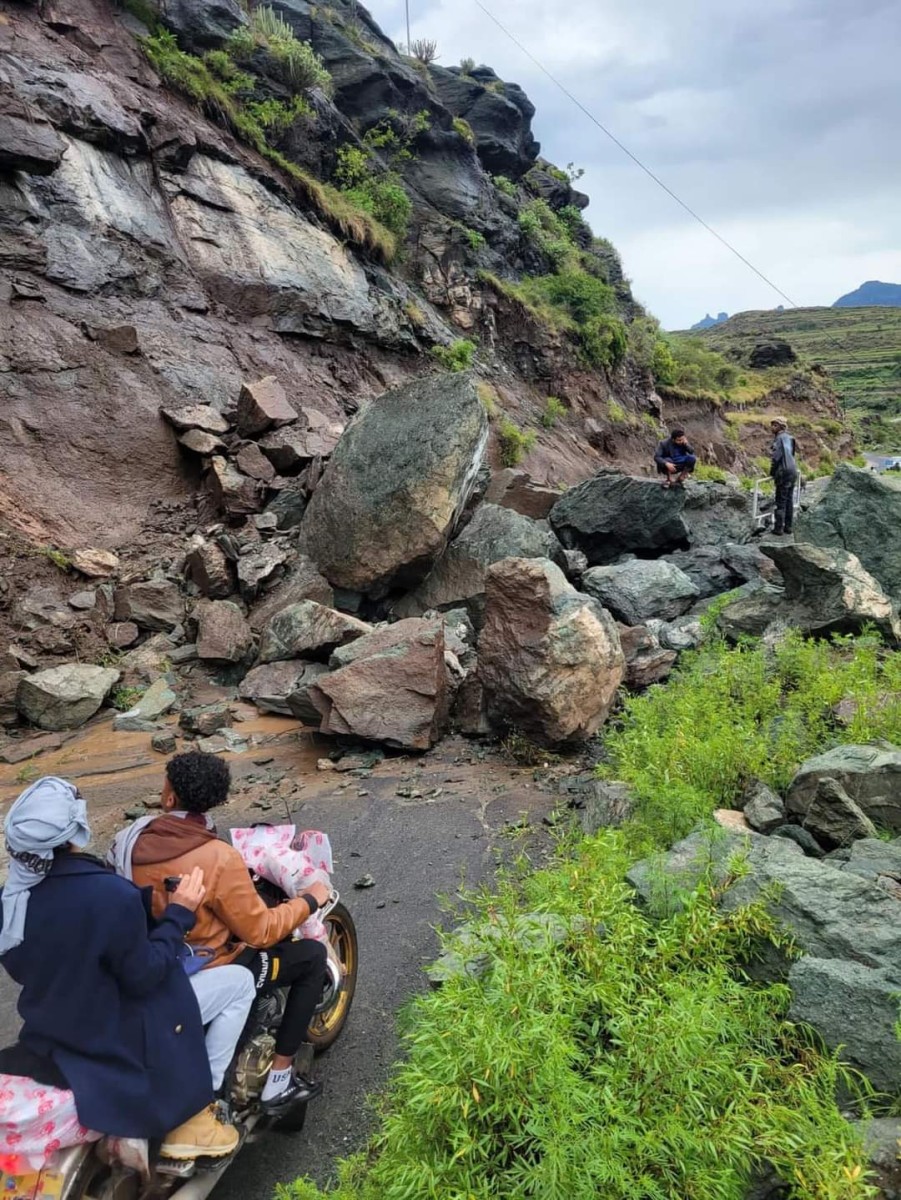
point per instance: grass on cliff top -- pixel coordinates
(628, 1059)
(860, 347)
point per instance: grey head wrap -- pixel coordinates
(49, 814)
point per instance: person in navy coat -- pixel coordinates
(107, 1008)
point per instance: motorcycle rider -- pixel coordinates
(233, 922)
(108, 1011)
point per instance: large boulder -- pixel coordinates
(391, 687)
(637, 590)
(284, 688)
(828, 591)
(64, 697)
(613, 514)
(854, 1007)
(396, 484)
(458, 578)
(308, 630)
(223, 634)
(871, 776)
(751, 611)
(550, 658)
(209, 568)
(860, 512)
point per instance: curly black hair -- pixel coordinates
(200, 781)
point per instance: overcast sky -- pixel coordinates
(779, 121)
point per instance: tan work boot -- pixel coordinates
(204, 1136)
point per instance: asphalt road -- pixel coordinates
(416, 850)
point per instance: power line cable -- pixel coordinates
(625, 149)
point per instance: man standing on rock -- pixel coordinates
(784, 470)
(675, 459)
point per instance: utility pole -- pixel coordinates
(409, 48)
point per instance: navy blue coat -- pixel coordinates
(107, 1001)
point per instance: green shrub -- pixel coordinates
(464, 129)
(146, 11)
(456, 357)
(125, 698)
(705, 473)
(384, 196)
(504, 185)
(425, 50)
(277, 117)
(467, 66)
(487, 393)
(299, 64)
(624, 1059)
(733, 715)
(474, 238)
(604, 341)
(686, 363)
(554, 409)
(514, 443)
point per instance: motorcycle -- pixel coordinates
(115, 1169)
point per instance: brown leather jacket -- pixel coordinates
(232, 915)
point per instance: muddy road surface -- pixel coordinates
(418, 826)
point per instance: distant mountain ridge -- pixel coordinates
(872, 294)
(709, 322)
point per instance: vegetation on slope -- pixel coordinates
(859, 347)
(592, 1052)
(230, 95)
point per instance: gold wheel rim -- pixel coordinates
(325, 1023)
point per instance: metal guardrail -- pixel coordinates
(765, 519)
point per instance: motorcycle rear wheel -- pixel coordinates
(326, 1026)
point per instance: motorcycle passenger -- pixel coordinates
(233, 921)
(108, 1011)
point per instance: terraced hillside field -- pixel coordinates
(860, 347)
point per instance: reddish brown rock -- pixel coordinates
(195, 416)
(122, 634)
(514, 489)
(308, 630)
(209, 568)
(200, 442)
(393, 689)
(253, 462)
(550, 659)
(263, 405)
(223, 634)
(235, 493)
(314, 436)
(154, 604)
(284, 688)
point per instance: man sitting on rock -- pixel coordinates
(675, 459)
